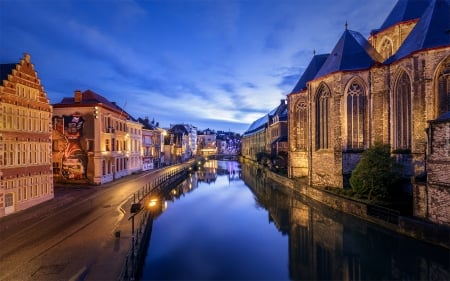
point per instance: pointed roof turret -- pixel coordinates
(432, 30)
(351, 52)
(310, 72)
(404, 10)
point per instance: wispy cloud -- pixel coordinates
(229, 62)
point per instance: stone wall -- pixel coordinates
(438, 193)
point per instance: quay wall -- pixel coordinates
(409, 226)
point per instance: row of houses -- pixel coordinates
(83, 139)
(393, 88)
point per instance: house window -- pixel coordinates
(402, 113)
(323, 128)
(302, 129)
(356, 108)
(9, 200)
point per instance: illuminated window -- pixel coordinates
(302, 129)
(402, 112)
(323, 128)
(356, 108)
(386, 49)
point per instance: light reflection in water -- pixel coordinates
(232, 222)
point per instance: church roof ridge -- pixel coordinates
(310, 72)
(351, 52)
(404, 10)
(431, 31)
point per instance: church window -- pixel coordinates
(402, 113)
(323, 128)
(302, 129)
(444, 89)
(356, 108)
(386, 49)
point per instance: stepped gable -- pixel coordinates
(404, 10)
(432, 31)
(310, 72)
(352, 52)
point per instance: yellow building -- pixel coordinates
(95, 140)
(25, 138)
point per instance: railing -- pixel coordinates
(388, 215)
(140, 235)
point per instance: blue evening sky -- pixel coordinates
(218, 64)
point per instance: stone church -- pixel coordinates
(389, 88)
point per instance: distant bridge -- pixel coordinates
(226, 157)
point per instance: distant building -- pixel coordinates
(228, 142)
(25, 138)
(277, 134)
(206, 142)
(254, 140)
(180, 144)
(95, 140)
(152, 143)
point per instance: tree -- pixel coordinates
(377, 174)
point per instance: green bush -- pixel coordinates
(377, 174)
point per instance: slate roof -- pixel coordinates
(6, 69)
(443, 117)
(351, 52)
(432, 31)
(310, 72)
(91, 98)
(280, 110)
(257, 125)
(404, 10)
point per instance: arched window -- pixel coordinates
(444, 89)
(323, 128)
(356, 115)
(302, 128)
(402, 112)
(386, 49)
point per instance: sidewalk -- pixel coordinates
(64, 194)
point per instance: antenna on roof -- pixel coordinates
(314, 52)
(123, 109)
(346, 25)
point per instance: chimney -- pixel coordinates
(78, 96)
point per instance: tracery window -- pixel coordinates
(386, 49)
(323, 128)
(444, 89)
(302, 129)
(356, 115)
(402, 113)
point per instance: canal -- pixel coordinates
(229, 222)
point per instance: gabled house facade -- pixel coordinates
(95, 141)
(26, 177)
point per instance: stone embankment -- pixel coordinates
(390, 219)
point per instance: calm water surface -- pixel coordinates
(228, 222)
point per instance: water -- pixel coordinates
(224, 223)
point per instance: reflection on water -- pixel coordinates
(232, 222)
